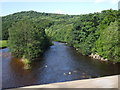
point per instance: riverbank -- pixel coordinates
(103, 82)
(60, 63)
(96, 56)
(3, 44)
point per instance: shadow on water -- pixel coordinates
(60, 63)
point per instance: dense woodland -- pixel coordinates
(33, 32)
(27, 40)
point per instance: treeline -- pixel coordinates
(48, 18)
(95, 33)
(27, 39)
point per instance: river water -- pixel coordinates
(60, 63)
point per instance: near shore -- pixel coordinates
(103, 82)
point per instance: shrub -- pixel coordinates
(27, 40)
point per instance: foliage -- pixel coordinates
(89, 33)
(27, 39)
(3, 43)
(108, 44)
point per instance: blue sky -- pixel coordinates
(72, 8)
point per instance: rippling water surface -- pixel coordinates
(60, 63)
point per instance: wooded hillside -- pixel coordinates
(95, 33)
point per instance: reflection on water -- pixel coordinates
(60, 63)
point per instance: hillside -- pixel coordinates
(95, 33)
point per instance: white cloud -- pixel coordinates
(107, 1)
(99, 1)
(114, 1)
(94, 1)
(46, 0)
(59, 12)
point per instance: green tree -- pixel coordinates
(27, 40)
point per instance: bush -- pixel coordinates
(3, 43)
(108, 43)
(27, 40)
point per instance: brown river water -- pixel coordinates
(59, 63)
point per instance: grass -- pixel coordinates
(26, 63)
(3, 43)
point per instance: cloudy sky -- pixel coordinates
(71, 7)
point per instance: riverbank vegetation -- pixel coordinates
(27, 40)
(94, 33)
(3, 43)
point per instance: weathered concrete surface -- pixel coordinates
(103, 82)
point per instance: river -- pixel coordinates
(60, 63)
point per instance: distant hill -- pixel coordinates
(84, 32)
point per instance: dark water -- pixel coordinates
(60, 63)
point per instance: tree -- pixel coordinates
(27, 40)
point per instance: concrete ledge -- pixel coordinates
(103, 82)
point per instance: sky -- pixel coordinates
(71, 7)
